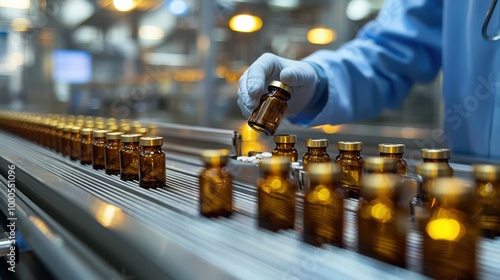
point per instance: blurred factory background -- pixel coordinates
(175, 61)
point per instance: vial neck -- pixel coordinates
(152, 149)
(285, 145)
(281, 94)
(391, 156)
(350, 153)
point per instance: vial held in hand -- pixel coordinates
(266, 118)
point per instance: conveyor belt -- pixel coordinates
(234, 247)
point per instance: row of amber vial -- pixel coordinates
(121, 148)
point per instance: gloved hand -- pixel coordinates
(301, 76)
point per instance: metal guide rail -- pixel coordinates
(158, 233)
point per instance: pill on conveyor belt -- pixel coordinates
(252, 158)
(267, 154)
(256, 161)
(242, 158)
(259, 156)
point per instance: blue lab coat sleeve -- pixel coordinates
(377, 69)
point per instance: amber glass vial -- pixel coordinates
(59, 136)
(316, 152)
(380, 165)
(112, 153)
(450, 235)
(488, 198)
(53, 135)
(323, 206)
(382, 221)
(86, 146)
(276, 195)
(74, 143)
(266, 118)
(66, 139)
(437, 156)
(215, 184)
(394, 151)
(350, 160)
(420, 205)
(152, 165)
(98, 149)
(285, 147)
(129, 157)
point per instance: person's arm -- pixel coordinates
(377, 69)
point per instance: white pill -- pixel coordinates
(252, 158)
(259, 156)
(267, 154)
(295, 164)
(242, 158)
(256, 161)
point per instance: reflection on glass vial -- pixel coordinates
(323, 206)
(285, 147)
(450, 236)
(86, 146)
(74, 143)
(436, 156)
(394, 151)
(129, 157)
(98, 148)
(488, 198)
(350, 160)
(276, 195)
(382, 221)
(152, 165)
(215, 184)
(266, 118)
(316, 152)
(421, 204)
(112, 153)
(380, 165)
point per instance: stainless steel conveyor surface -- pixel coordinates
(159, 233)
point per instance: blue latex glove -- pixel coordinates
(301, 76)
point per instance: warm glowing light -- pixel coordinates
(15, 4)
(124, 5)
(324, 195)
(445, 229)
(248, 134)
(21, 24)
(150, 32)
(382, 213)
(109, 216)
(330, 129)
(245, 23)
(221, 71)
(321, 36)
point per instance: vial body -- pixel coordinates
(394, 151)
(276, 195)
(152, 165)
(488, 199)
(350, 160)
(74, 144)
(86, 146)
(316, 152)
(215, 185)
(66, 139)
(450, 236)
(285, 147)
(59, 136)
(112, 153)
(266, 118)
(382, 222)
(98, 149)
(129, 157)
(323, 207)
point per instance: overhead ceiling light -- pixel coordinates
(150, 32)
(358, 9)
(284, 3)
(321, 35)
(178, 7)
(124, 5)
(245, 23)
(15, 4)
